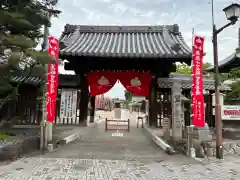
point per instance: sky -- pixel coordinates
(188, 14)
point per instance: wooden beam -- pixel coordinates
(84, 100)
(86, 64)
(92, 111)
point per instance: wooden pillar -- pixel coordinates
(208, 108)
(84, 100)
(92, 110)
(187, 108)
(211, 116)
(153, 103)
(58, 102)
(150, 99)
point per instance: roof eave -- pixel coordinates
(225, 64)
(183, 54)
(179, 58)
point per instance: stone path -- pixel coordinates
(99, 156)
(98, 144)
(42, 168)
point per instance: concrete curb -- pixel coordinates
(71, 138)
(159, 142)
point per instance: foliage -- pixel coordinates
(20, 32)
(126, 102)
(8, 136)
(128, 95)
(235, 91)
(234, 75)
(185, 69)
(3, 136)
(206, 65)
(223, 76)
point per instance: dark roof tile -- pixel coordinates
(29, 80)
(186, 81)
(63, 79)
(125, 41)
(230, 62)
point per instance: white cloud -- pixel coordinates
(187, 14)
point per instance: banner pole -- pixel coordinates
(193, 32)
(191, 118)
(43, 138)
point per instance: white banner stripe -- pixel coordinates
(68, 106)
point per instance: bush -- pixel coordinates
(3, 136)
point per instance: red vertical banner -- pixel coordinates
(197, 81)
(52, 79)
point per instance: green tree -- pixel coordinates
(234, 75)
(185, 69)
(21, 22)
(234, 94)
(128, 95)
(206, 65)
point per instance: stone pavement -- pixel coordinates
(62, 132)
(99, 156)
(42, 168)
(98, 144)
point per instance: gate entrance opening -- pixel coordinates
(139, 56)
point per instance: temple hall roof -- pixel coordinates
(230, 62)
(186, 81)
(125, 41)
(64, 80)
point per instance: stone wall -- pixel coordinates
(12, 150)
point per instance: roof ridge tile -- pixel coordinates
(159, 41)
(121, 29)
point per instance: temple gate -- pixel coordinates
(146, 53)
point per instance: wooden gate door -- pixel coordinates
(164, 106)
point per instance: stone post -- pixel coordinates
(117, 110)
(189, 140)
(117, 113)
(49, 130)
(166, 128)
(176, 111)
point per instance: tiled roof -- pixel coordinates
(29, 80)
(186, 81)
(230, 62)
(125, 41)
(64, 80)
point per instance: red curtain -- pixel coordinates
(101, 82)
(136, 82)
